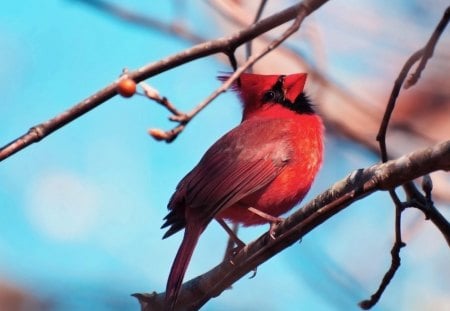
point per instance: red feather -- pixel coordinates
(268, 162)
(251, 88)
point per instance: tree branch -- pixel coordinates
(38, 132)
(413, 194)
(357, 185)
(248, 45)
(428, 50)
(186, 118)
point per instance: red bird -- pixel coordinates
(254, 173)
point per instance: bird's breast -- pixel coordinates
(294, 179)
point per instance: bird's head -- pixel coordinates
(259, 92)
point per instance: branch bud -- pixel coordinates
(158, 134)
(150, 92)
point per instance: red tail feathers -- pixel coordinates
(180, 264)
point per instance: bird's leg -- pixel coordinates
(231, 249)
(233, 239)
(274, 221)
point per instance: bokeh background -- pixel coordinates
(80, 211)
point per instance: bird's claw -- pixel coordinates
(234, 252)
(273, 227)
(254, 273)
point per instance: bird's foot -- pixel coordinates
(254, 273)
(274, 221)
(273, 227)
(234, 244)
(233, 252)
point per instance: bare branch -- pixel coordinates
(428, 50)
(357, 185)
(248, 45)
(184, 119)
(381, 136)
(395, 256)
(423, 55)
(154, 95)
(38, 132)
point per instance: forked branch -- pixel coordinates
(221, 45)
(184, 119)
(416, 199)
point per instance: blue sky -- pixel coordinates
(81, 210)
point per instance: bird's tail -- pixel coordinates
(180, 264)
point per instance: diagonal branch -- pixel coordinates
(184, 119)
(221, 45)
(359, 184)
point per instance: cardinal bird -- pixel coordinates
(254, 173)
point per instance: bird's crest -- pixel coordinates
(252, 88)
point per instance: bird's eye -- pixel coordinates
(268, 96)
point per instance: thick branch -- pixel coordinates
(357, 185)
(223, 45)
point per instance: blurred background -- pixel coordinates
(81, 210)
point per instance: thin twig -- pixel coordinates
(381, 136)
(154, 95)
(248, 45)
(232, 59)
(426, 205)
(236, 15)
(423, 54)
(429, 49)
(395, 256)
(38, 132)
(303, 11)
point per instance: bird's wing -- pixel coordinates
(237, 165)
